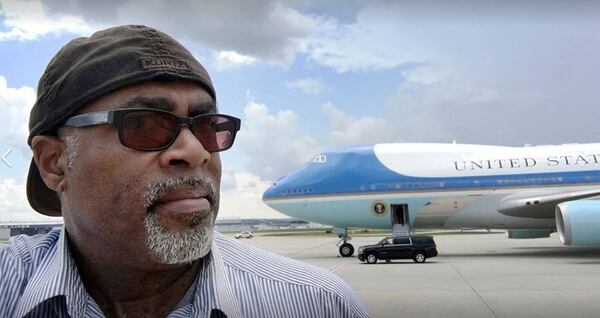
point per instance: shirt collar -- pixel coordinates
(57, 275)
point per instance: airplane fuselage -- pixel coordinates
(439, 185)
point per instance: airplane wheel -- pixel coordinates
(371, 259)
(346, 250)
(419, 257)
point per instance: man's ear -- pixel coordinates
(48, 154)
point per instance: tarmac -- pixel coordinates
(476, 274)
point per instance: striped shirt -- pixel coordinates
(39, 278)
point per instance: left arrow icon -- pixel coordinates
(6, 160)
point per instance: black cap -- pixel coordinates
(89, 67)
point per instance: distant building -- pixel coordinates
(226, 225)
(233, 225)
(8, 230)
(4, 233)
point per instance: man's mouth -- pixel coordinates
(184, 201)
(181, 197)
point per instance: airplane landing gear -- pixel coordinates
(346, 249)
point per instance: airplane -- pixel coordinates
(530, 192)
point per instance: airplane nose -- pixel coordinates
(276, 189)
(304, 182)
(271, 192)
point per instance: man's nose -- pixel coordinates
(186, 150)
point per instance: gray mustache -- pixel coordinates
(156, 188)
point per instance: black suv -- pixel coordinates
(419, 248)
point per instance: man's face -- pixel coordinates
(143, 207)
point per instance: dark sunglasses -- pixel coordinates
(153, 129)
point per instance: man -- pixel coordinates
(125, 134)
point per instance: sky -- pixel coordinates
(307, 76)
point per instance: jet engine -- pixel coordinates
(578, 222)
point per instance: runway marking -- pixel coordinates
(335, 268)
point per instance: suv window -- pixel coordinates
(404, 240)
(422, 240)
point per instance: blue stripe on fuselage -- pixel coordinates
(358, 170)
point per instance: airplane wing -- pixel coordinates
(540, 205)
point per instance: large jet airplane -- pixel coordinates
(528, 191)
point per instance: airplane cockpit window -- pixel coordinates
(319, 159)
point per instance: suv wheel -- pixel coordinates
(419, 257)
(346, 250)
(371, 259)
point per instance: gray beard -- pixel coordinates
(190, 244)
(180, 247)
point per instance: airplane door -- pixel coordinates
(400, 219)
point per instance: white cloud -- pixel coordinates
(273, 142)
(509, 73)
(310, 86)
(244, 200)
(13, 198)
(28, 20)
(264, 29)
(231, 59)
(471, 112)
(387, 35)
(14, 206)
(351, 131)
(373, 42)
(16, 104)
(425, 75)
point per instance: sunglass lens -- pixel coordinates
(214, 132)
(148, 130)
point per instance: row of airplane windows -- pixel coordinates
(296, 191)
(433, 185)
